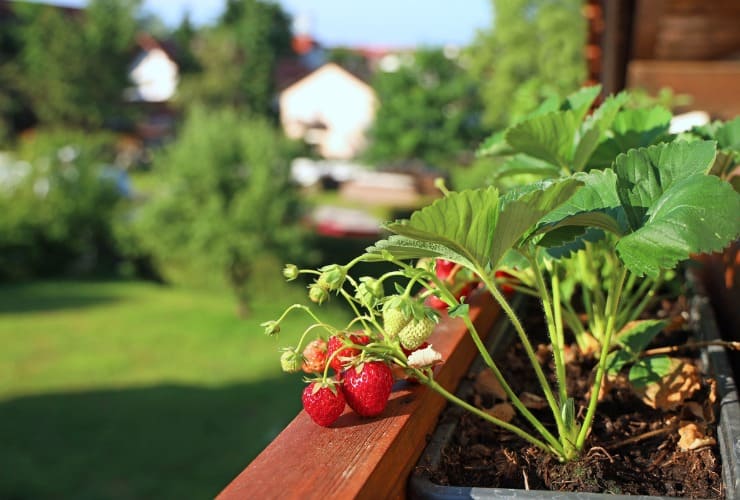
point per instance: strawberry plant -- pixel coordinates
(641, 215)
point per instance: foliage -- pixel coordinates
(75, 70)
(226, 198)
(649, 210)
(428, 111)
(238, 58)
(561, 138)
(727, 135)
(58, 199)
(533, 51)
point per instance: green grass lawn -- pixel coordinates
(136, 390)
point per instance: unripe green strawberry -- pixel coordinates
(416, 332)
(290, 361)
(317, 293)
(393, 321)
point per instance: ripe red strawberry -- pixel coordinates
(367, 387)
(314, 356)
(507, 289)
(443, 268)
(345, 354)
(324, 403)
(436, 303)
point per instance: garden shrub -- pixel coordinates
(225, 200)
(58, 195)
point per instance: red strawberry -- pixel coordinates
(506, 277)
(443, 268)
(323, 403)
(436, 303)
(367, 387)
(345, 354)
(314, 356)
(466, 290)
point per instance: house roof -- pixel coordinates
(327, 68)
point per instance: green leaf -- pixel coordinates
(636, 336)
(616, 360)
(459, 311)
(566, 240)
(697, 214)
(475, 228)
(584, 149)
(520, 215)
(581, 100)
(458, 227)
(494, 145)
(728, 135)
(523, 164)
(548, 137)
(595, 205)
(632, 128)
(650, 370)
(645, 174)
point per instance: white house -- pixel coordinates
(330, 108)
(153, 73)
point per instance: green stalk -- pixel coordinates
(506, 387)
(612, 307)
(633, 309)
(556, 450)
(559, 334)
(552, 331)
(574, 322)
(586, 297)
(546, 389)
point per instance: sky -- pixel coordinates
(396, 23)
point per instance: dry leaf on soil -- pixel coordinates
(533, 401)
(693, 437)
(486, 383)
(673, 389)
(502, 411)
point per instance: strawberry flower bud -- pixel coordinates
(290, 272)
(318, 293)
(332, 277)
(271, 327)
(369, 292)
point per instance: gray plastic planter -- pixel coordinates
(717, 364)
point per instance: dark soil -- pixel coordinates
(632, 449)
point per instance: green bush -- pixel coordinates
(57, 198)
(225, 199)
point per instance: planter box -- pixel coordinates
(715, 362)
(360, 457)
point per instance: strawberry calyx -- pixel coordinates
(343, 348)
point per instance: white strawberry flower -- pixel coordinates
(424, 358)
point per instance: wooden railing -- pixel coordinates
(359, 457)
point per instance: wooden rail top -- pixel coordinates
(364, 457)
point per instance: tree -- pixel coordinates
(533, 50)
(428, 111)
(227, 200)
(238, 57)
(75, 68)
